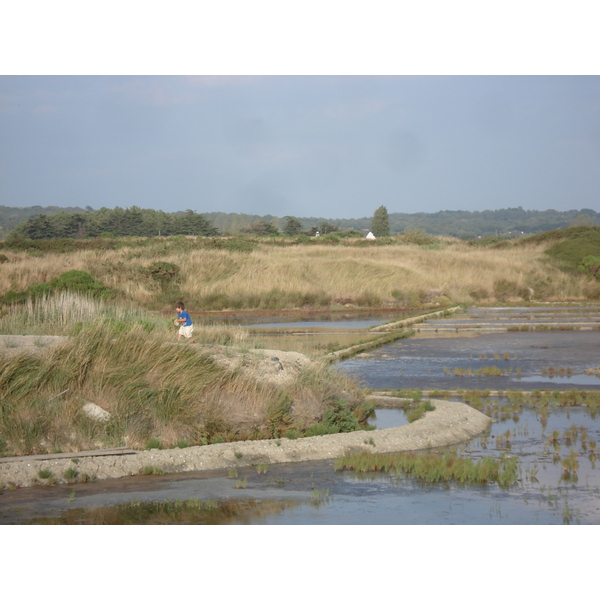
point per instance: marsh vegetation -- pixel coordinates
(121, 357)
(282, 273)
(158, 394)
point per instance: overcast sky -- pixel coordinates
(328, 146)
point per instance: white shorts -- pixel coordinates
(186, 331)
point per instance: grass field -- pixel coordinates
(279, 274)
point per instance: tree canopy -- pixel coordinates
(380, 224)
(119, 222)
(292, 226)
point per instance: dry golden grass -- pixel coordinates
(284, 276)
(155, 389)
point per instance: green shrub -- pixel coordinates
(590, 265)
(321, 429)
(303, 239)
(278, 415)
(71, 473)
(340, 417)
(236, 244)
(79, 282)
(163, 272)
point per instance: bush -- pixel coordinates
(237, 244)
(339, 418)
(163, 272)
(591, 266)
(78, 282)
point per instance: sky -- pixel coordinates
(335, 142)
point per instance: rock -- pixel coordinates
(95, 412)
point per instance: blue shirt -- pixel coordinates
(184, 315)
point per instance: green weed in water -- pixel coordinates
(436, 468)
(320, 497)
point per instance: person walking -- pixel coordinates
(186, 327)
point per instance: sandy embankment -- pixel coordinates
(449, 423)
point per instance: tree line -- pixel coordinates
(52, 222)
(509, 222)
(116, 222)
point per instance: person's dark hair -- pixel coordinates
(180, 305)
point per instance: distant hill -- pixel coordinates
(463, 224)
(509, 222)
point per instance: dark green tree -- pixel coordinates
(37, 228)
(380, 224)
(326, 228)
(191, 223)
(292, 226)
(261, 228)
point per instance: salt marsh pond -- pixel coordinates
(498, 360)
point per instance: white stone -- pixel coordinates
(95, 412)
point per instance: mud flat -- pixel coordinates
(450, 423)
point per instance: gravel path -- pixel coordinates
(450, 423)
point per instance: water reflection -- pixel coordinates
(385, 418)
(177, 512)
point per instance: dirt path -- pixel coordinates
(450, 423)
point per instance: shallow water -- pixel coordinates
(385, 418)
(437, 363)
(314, 493)
(306, 319)
(365, 324)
